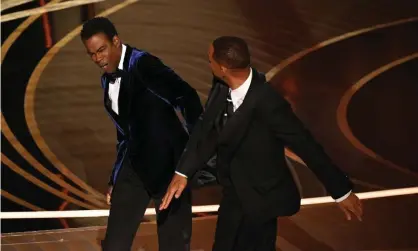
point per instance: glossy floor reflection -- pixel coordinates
(321, 228)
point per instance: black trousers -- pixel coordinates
(235, 231)
(128, 204)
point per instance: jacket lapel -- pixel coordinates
(106, 99)
(236, 127)
(125, 93)
(215, 105)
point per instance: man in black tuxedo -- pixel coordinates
(153, 110)
(248, 124)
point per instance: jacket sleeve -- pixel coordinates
(166, 83)
(119, 138)
(201, 145)
(279, 116)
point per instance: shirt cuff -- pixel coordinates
(181, 174)
(344, 197)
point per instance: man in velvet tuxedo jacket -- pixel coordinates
(247, 124)
(144, 98)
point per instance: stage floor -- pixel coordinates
(389, 224)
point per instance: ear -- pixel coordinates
(116, 41)
(223, 69)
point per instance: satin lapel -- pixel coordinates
(124, 98)
(234, 130)
(125, 93)
(106, 99)
(216, 105)
(216, 83)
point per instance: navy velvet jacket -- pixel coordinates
(149, 131)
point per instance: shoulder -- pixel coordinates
(265, 91)
(142, 59)
(269, 92)
(270, 98)
(137, 54)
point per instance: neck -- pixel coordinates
(237, 78)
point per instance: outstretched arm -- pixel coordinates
(199, 149)
(286, 126)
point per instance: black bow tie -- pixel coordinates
(114, 75)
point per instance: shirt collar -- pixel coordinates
(122, 57)
(240, 92)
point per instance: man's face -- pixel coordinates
(104, 52)
(215, 66)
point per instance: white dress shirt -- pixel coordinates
(239, 93)
(237, 96)
(115, 86)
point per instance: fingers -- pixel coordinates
(360, 205)
(179, 191)
(177, 185)
(167, 199)
(347, 213)
(355, 208)
(109, 195)
(172, 190)
(358, 210)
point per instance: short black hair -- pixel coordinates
(98, 25)
(232, 52)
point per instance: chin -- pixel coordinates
(109, 71)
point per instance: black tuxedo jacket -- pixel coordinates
(252, 144)
(149, 132)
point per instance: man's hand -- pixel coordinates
(109, 194)
(352, 205)
(176, 187)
